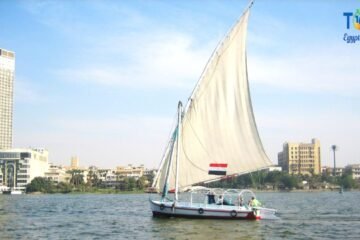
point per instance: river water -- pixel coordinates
(317, 215)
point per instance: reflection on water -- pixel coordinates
(301, 216)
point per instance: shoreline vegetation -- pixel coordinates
(260, 181)
(282, 181)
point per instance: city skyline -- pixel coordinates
(101, 79)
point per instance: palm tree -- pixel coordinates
(92, 179)
(334, 148)
(77, 177)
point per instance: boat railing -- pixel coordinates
(220, 197)
(215, 197)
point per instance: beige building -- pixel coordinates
(74, 162)
(301, 158)
(19, 166)
(7, 69)
(130, 171)
(354, 169)
(150, 172)
(57, 174)
(339, 171)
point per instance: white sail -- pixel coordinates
(218, 126)
(160, 177)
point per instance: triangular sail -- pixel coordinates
(161, 175)
(218, 126)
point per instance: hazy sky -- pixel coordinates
(101, 79)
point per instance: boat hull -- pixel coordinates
(169, 209)
(12, 192)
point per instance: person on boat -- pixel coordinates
(220, 200)
(254, 202)
(223, 201)
(211, 197)
(241, 201)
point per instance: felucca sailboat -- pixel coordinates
(215, 137)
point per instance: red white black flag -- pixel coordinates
(217, 168)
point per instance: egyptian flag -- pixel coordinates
(217, 168)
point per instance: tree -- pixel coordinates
(273, 178)
(77, 180)
(327, 177)
(289, 182)
(64, 187)
(334, 148)
(123, 185)
(243, 181)
(40, 184)
(132, 184)
(93, 179)
(348, 182)
(151, 177)
(141, 182)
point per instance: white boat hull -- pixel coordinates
(12, 192)
(15, 192)
(188, 210)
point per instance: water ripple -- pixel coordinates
(321, 215)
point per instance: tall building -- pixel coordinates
(19, 166)
(301, 158)
(7, 68)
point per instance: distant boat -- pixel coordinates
(151, 190)
(12, 191)
(215, 137)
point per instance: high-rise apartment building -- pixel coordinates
(301, 158)
(7, 69)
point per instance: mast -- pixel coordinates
(177, 150)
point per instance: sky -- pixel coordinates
(101, 79)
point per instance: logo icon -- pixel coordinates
(355, 19)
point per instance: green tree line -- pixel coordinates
(93, 184)
(277, 180)
(261, 180)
